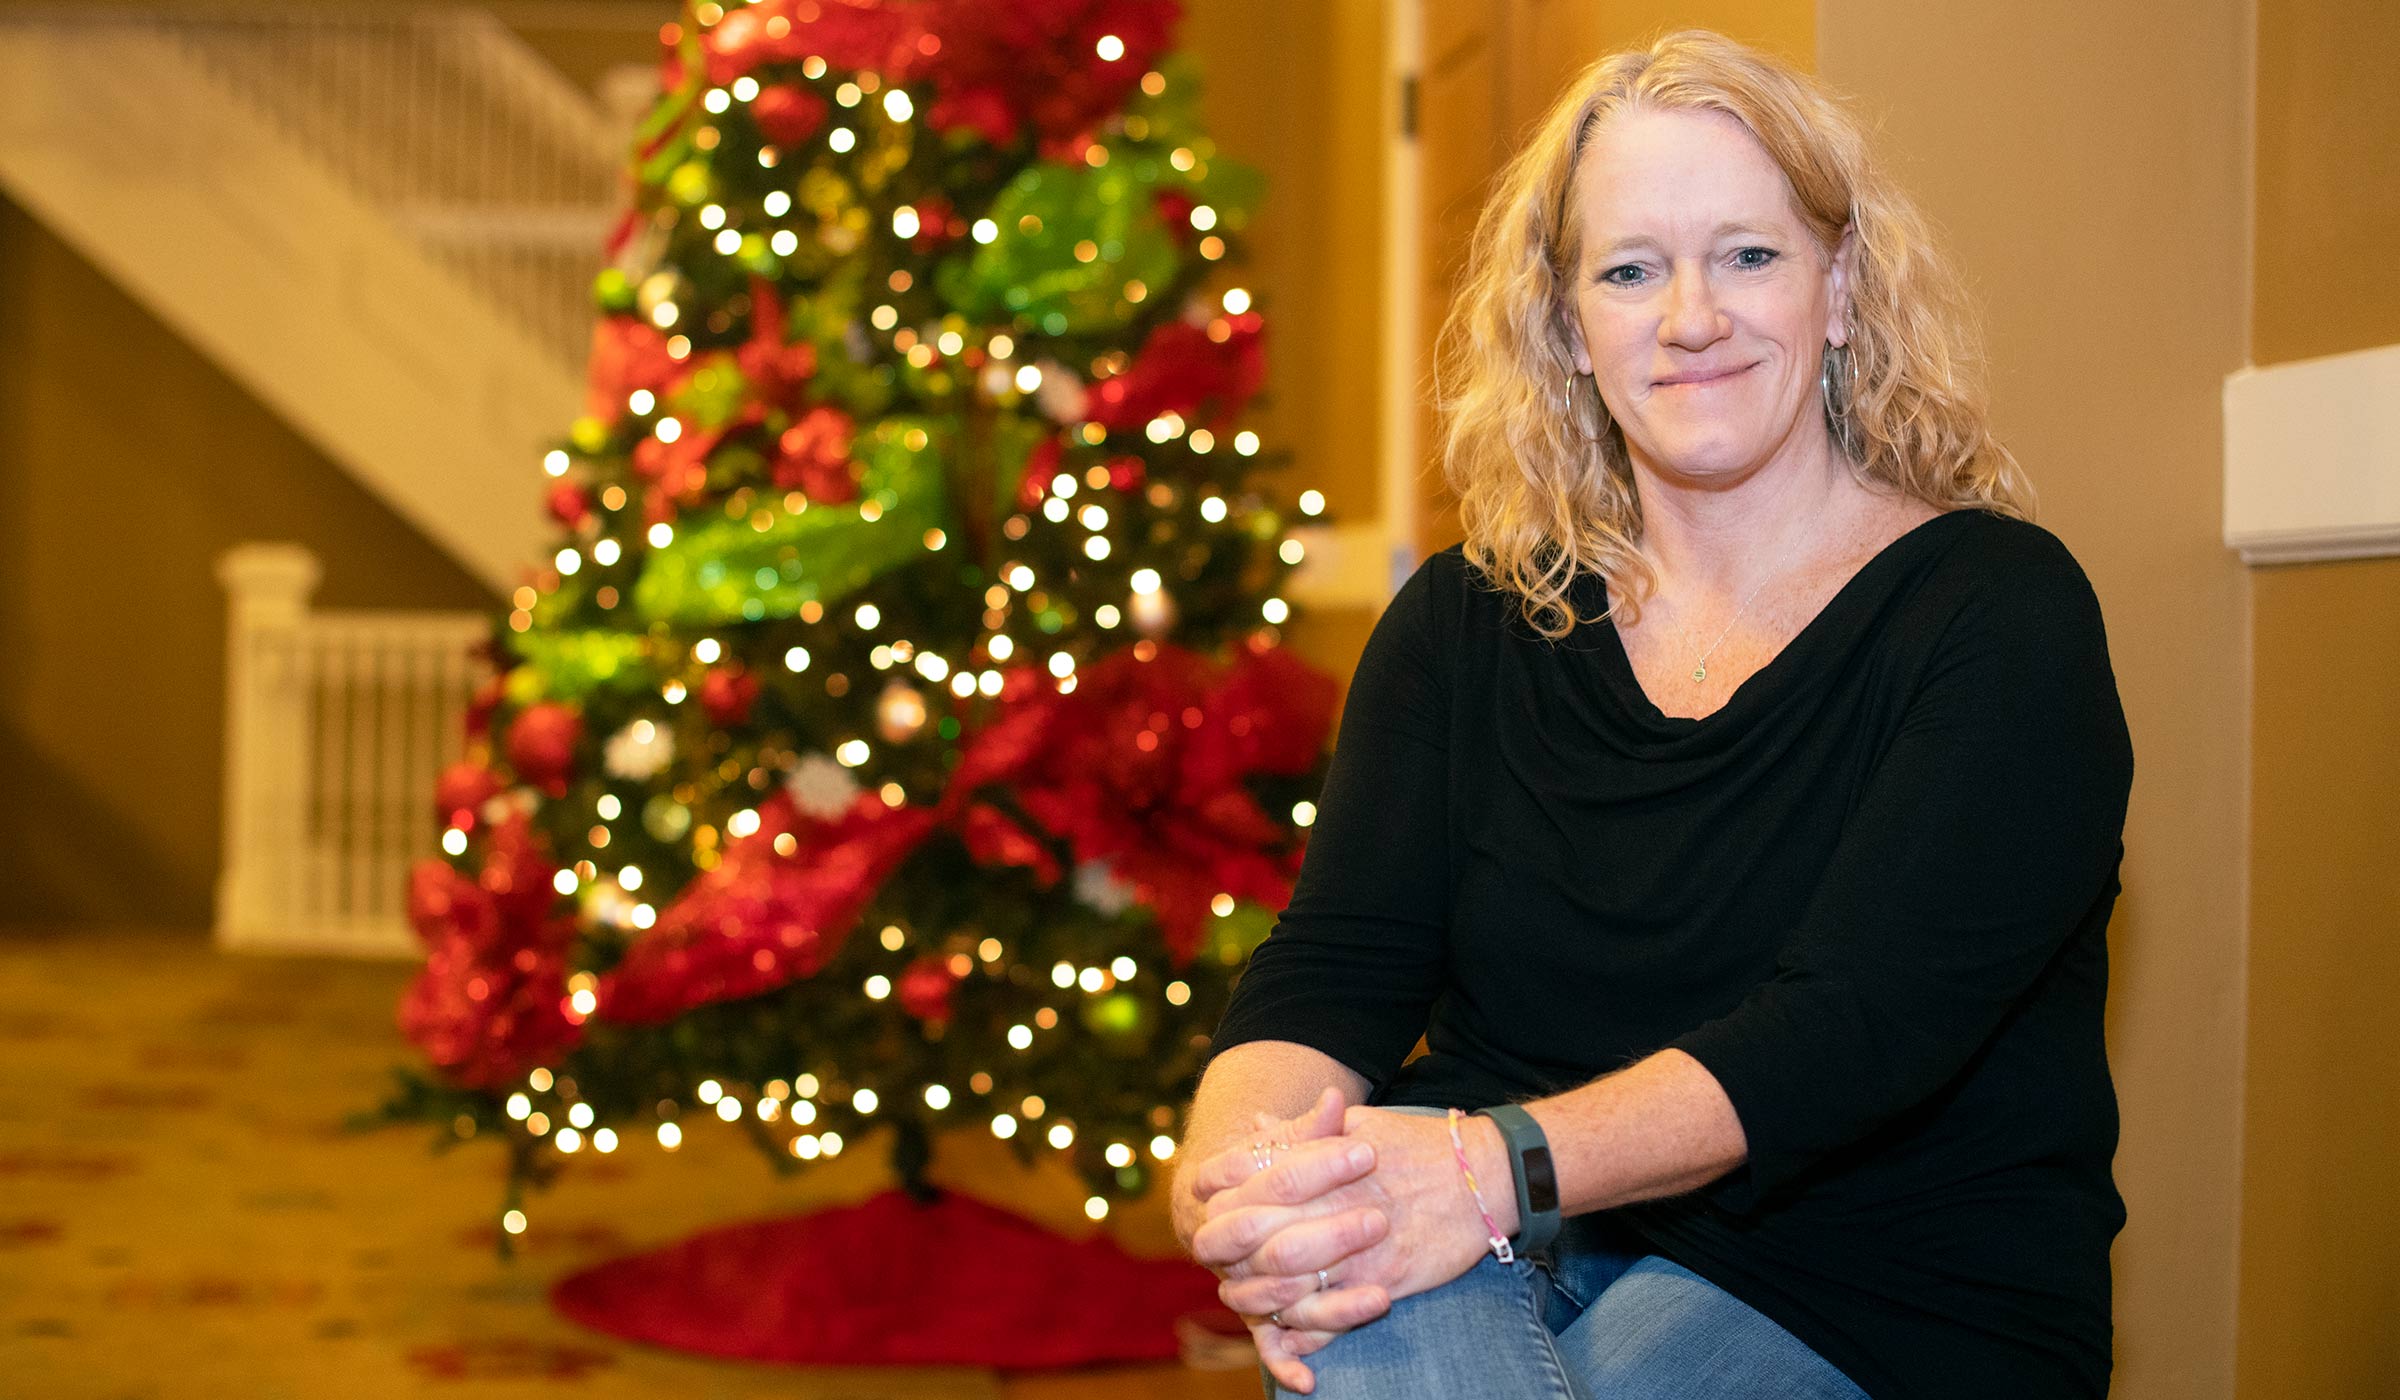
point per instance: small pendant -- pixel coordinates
(1700, 672)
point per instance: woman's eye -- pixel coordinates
(1754, 258)
(1623, 275)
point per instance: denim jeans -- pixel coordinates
(1594, 1317)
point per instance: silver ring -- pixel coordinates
(1323, 1282)
(1260, 1157)
(1276, 1317)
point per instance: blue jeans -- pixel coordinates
(1594, 1318)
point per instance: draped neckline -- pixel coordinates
(1851, 604)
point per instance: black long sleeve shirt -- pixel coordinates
(1870, 894)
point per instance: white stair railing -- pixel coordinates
(443, 118)
(384, 224)
(336, 727)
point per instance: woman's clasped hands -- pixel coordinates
(1324, 1219)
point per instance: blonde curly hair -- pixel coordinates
(1544, 497)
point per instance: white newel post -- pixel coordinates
(268, 587)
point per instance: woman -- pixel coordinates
(1741, 802)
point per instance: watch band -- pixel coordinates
(1536, 1178)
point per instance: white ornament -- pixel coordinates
(639, 752)
(1061, 395)
(1097, 885)
(821, 787)
(498, 808)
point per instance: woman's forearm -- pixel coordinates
(1276, 1077)
(1659, 1127)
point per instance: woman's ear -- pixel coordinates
(1571, 331)
(1838, 275)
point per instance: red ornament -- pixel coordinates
(462, 790)
(1175, 211)
(937, 223)
(1041, 464)
(787, 115)
(925, 988)
(570, 505)
(727, 693)
(541, 745)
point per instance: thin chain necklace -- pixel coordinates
(1700, 667)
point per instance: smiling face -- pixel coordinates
(1703, 303)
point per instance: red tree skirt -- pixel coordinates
(890, 1282)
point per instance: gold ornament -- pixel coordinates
(899, 712)
(1153, 612)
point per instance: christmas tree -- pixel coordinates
(899, 738)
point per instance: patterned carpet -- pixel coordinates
(181, 1214)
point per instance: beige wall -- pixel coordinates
(2328, 177)
(127, 463)
(2086, 162)
(2320, 1258)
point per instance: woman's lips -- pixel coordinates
(1693, 378)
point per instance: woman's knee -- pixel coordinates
(1479, 1334)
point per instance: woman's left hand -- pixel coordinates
(1269, 1250)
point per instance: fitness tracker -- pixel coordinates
(1530, 1167)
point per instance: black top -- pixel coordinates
(1870, 894)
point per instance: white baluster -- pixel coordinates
(268, 588)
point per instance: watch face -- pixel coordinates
(1541, 1180)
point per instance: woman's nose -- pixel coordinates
(1693, 320)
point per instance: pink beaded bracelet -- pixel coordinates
(1491, 1227)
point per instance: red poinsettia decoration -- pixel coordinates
(875, 36)
(1206, 373)
(775, 370)
(813, 456)
(776, 909)
(628, 353)
(1141, 768)
(491, 1002)
(1038, 63)
(996, 69)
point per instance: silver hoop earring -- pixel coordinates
(1566, 407)
(1839, 418)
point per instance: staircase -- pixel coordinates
(384, 224)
